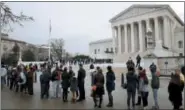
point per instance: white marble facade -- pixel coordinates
(101, 49)
(129, 30)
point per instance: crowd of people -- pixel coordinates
(136, 82)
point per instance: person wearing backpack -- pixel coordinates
(44, 82)
(155, 83)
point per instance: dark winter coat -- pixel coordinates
(132, 81)
(81, 75)
(130, 64)
(45, 77)
(99, 82)
(138, 58)
(175, 89)
(65, 80)
(110, 78)
(153, 68)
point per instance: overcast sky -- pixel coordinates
(78, 23)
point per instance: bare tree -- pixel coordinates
(57, 48)
(8, 17)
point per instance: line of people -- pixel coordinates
(20, 78)
(140, 83)
(136, 82)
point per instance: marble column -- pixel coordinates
(126, 39)
(114, 40)
(156, 25)
(141, 44)
(132, 38)
(147, 25)
(158, 41)
(119, 39)
(166, 33)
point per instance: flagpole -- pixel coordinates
(49, 52)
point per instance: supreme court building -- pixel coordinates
(132, 27)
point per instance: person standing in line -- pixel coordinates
(45, 78)
(92, 72)
(71, 72)
(110, 85)
(65, 84)
(26, 84)
(54, 82)
(81, 82)
(99, 88)
(12, 78)
(143, 86)
(138, 59)
(132, 81)
(140, 69)
(155, 83)
(73, 87)
(175, 89)
(30, 81)
(9, 75)
(22, 81)
(3, 75)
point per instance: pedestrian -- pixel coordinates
(143, 87)
(131, 86)
(22, 80)
(71, 72)
(74, 88)
(12, 78)
(45, 78)
(183, 70)
(9, 75)
(99, 91)
(92, 72)
(26, 84)
(30, 81)
(54, 79)
(110, 85)
(138, 59)
(155, 84)
(81, 82)
(140, 69)
(130, 63)
(3, 75)
(65, 84)
(175, 89)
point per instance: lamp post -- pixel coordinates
(166, 63)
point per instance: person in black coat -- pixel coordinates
(132, 80)
(175, 89)
(110, 84)
(183, 70)
(81, 81)
(138, 59)
(65, 84)
(45, 78)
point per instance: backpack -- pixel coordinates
(155, 82)
(54, 75)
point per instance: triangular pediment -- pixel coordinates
(135, 10)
